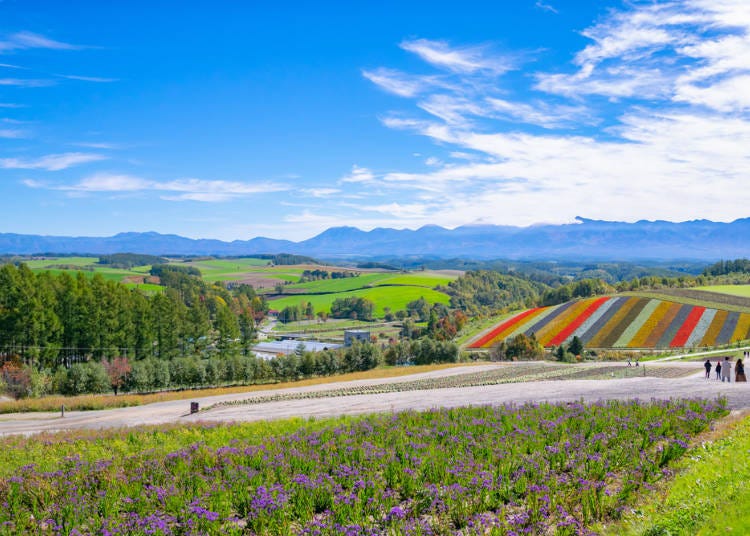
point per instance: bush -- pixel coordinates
(16, 380)
(89, 377)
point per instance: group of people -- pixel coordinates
(723, 369)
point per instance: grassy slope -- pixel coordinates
(734, 290)
(707, 497)
(394, 297)
(384, 289)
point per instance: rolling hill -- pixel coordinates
(624, 322)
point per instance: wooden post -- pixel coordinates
(62, 410)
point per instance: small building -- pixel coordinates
(353, 335)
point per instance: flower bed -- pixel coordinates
(533, 469)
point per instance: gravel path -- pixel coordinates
(738, 397)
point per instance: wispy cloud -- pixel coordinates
(395, 81)
(674, 124)
(24, 40)
(11, 105)
(98, 145)
(545, 7)
(52, 162)
(175, 190)
(13, 133)
(88, 78)
(458, 59)
(358, 174)
(321, 192)
(26, 82)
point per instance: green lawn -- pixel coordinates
(340, 285)
(418, 279)
(41, 264)
(394, 297)
(733, 290)
(148, 288)
(707, 497)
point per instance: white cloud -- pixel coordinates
(52, 162)
(88, 78)
(673, 142)
(395, 82)
(458, 59)
(98, 145)
(24, 40)
(26, 82)
(358, 174)
(321, 192)
(546, 7)
(12, 133)
(177, 190)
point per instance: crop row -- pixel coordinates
(501, 375)
(504, 375)
(625, 322)
(531, 469)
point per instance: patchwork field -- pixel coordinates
(624, 322)
(386, 289)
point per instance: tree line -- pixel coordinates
(51, 320)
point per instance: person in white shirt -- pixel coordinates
(726, 370)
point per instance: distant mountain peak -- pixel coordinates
(583, 239)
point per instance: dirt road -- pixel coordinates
(738, 397)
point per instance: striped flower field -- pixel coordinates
(623, 322)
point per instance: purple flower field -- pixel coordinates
(532, 469)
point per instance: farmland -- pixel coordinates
(531, 468)
(624, 322)
(386, 289)
(733, 290)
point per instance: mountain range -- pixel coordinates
(585, 239)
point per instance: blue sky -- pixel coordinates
(239, 119)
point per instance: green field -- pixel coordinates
(41, 264)
(733, 290)
(394, 297)
(707, 497)
(385, 289)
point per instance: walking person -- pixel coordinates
(739, 371)
(726, 370)
(707, 366)
(718, 369)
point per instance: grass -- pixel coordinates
(40, 264)
(339, 285)
(419, 279)
(707, 497)
(394, 297)
(148, 288)
(86, 265)
(734, 290)
(108, 401)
